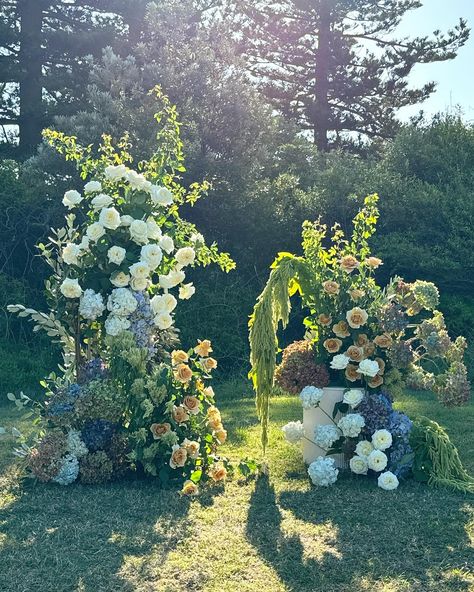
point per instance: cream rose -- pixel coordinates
(163, 320)
(353, 397)
(70, 288)
(356, 317)
(179, 457)
(332, 345)
(71, 253)
(190, 488)
(120, 279)
(139, 232)
(139, 284)
(185, 256)
(95, 231)
(179, 414)
(72, 198)
(203, 348)
(161, 196)
(167, 244)
(92, 186)
(349, 263)
(139, 270)
(109, 218)
(358, 465)
(183, 373)
(152, 255)
(159, 430)
(331, 287)
(186, 291)
(192, 404)
(101, 201)
(116, 255)
(154, 231)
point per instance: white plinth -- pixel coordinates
(315, 417)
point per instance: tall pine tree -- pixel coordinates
(337, 66)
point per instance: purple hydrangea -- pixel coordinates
(97, 434)
(94, 369)
(376, 409)
(401, 461)
(142, 323)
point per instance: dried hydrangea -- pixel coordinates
(392, 318)
(44, 461)
(101, 399)
(456, 388)
(95, 468)
(94, 369)
(299, 368)
(426, 294)
(75, 445)
(118, 451)
(401, 354)
(97, 434)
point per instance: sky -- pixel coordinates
(455, 78)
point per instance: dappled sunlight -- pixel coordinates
(316, 540)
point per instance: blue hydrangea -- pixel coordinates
(376, 409)
(94, 369)
(400, 463)
(69, 470)
(74, 391)
(58, 409)
(97, 434)
(142, 323)
(400, 425)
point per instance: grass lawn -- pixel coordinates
(271, 535)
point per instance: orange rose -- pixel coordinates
(383, 340)
(179, 357)
(159, 429)
(341, 329)
(179, 456)
(217, 472)
(331, 287)
(190, 488)
(375, 381)
(325, 320)
(361, 340)
(349, 263)
(192, 447)
(203, 348)
(381, 364)
(351, 373)
(369, 349)
(221, 435)
(332, 345)
(191, 404)
(183, 373)
(356, 294)
(208, 364)
(356, 354)
(356, 317)
(179, 414)
(373, 262)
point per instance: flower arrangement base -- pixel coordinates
(319, 416)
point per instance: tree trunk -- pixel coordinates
(321, 112)
(30, 59)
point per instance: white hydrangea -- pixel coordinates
(91, 187)
(70, 254)
(72, 198)
(91, 305)
(310, 396)
(185, 256)
(325, 435)
(115, 172)
(109, 218)
(353, 397)
(121, 302)
(351, 424)
(364, 448)
(340, 362)
(186, 291)
(358, 465)
(95, 231)
(114, 325)
(382, 439)
(323, 472)
(293, 431)
(161, 196)
(163, 303)
(70, 288)
(101, 201)
(369, 368)
(120, 279)
(139, 232)
(75, 445)
(163, 320)
(152, 255)
(116, 254)
(377, 460)
(388, 481)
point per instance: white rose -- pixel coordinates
(364, 448)
(114, 173)
(115, 325)
(185, 256)
(116, 255)
(340, 362)
(186, 291)
(139, 270)
(92, 186)
(369, 368)
(72, 198)
(388, 481)
(161, 195)
(163, 303)
(167, 244)
(95, 231)
(109, 218)
(382, 439)
(120, 279)
(353, 397)
(70, 254)
(293, 431)
(125, 220)
(84, 244)
(101, 201)
(163, 320)
(174, 277)
(137, 180)
(139, 232)
(377, 460)
(358, 465)
(71, 288)
(197, 238)
(154, 231)
(152, 255)
(139, 284)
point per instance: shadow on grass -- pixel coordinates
(88, 538)
(356, 539)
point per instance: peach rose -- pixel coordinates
(213, 413)
(179, 456)
(209, 393)
(192, 448)
(351, 373)
(191, 404)
(190, 488)
(361, 340)
(217, 472)
(332, 345)
(381, 364)
(375, 381)
(356, 294)
(179, 414)
(356, 317)
(221, 435)
(331, 287)
(356, 354)
(325, 320)
(214, 423)
(208, 364)
(159, 429)
(349, 263)
(341, 329)
(383, 340)
(369, 349)
(203, 348)
(179, 357)
(373, 262)
(183, 373)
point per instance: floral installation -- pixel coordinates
(370, 341)
(128, 397)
